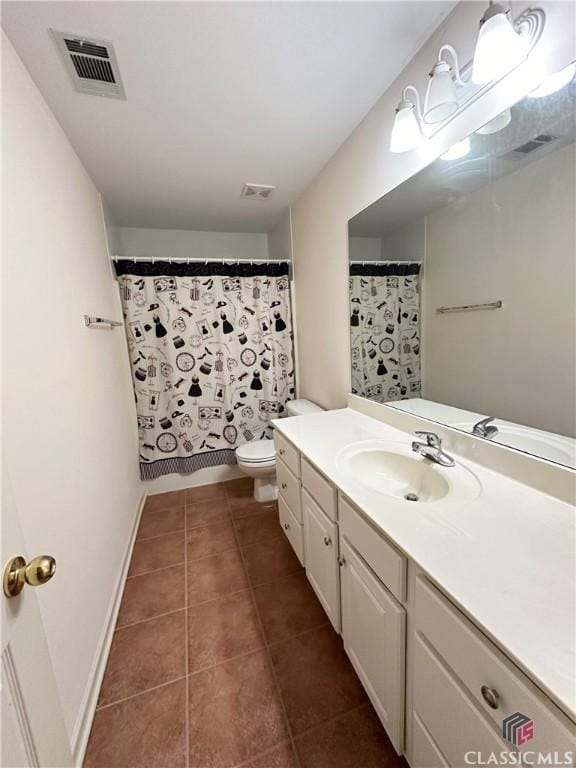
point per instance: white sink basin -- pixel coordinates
(394, 470)
(536, 441)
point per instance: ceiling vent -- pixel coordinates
(257, 191)
(91, 64)
(535, 143)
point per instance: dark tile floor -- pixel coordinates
(222, 655)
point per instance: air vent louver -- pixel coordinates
(91, 63)
(257, 191)
(535, 143)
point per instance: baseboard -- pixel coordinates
(84, 722)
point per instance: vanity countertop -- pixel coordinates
(506, 558)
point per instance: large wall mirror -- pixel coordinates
(462, 279)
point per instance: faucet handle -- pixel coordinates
(431, 438)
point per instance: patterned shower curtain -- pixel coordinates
(211, 354)
(385, 330)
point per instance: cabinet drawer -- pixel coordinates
(319, 488)
(454, 724)
(289, 488)
(292, 528)
(287, 452)
(477, 663)
(425, 752)
(386, 562)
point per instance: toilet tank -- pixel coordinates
(301, 408)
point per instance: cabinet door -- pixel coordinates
(321, 557)
(373, 628)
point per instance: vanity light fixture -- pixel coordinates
(441, 100)
(554, 82)
(406, 131)
(503, 43)
(458, 150)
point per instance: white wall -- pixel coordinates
(182, 243)
(365, 248)
(70, 442)
(363, 170)
(280, 239)
(512, 240)
(406, 243)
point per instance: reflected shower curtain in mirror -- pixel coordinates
(385, 330)
(211, 354)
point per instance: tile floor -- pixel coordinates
(222, 655)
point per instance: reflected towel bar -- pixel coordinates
(98, 322)
(470, 307)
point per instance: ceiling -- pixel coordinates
(218, 94)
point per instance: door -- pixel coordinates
(321, 557)
(374, 631)
(33, 730)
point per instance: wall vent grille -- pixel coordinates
(91, 64)
(257, 191)
(535, 143)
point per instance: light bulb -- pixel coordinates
(499, 47)
(441, 101)
(456, 151)
(406, 134)
(497, 123)
(554, 82)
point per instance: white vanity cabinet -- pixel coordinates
(464, 688)
(289, 507)
(373, 630)
(427, 668)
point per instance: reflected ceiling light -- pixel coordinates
(497, 123)
(499, 47)
(441, 100)
(554, 82)
(406, 131)
(456, 151)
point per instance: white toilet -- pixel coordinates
(257, 459)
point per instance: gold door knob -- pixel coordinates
(17, 573)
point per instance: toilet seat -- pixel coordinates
(256, 452)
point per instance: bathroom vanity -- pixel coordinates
(452, 587)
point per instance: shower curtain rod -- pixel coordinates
(182, 260)
(387, 261)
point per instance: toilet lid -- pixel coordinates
(256, 451)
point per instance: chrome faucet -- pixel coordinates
(481, 429)
(432, 449)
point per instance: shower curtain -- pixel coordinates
(211, 354)
(385, 330)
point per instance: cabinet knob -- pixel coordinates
(281, 451)
(284, 486)
(327, 541)
(490, 696)
(342, 560)
(286, 526)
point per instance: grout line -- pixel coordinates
(322, 723)
(159, 535)
(155, 570)
(269, 657)
(308, 631)
(118, 627)
(243, 655)
(140, 693)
